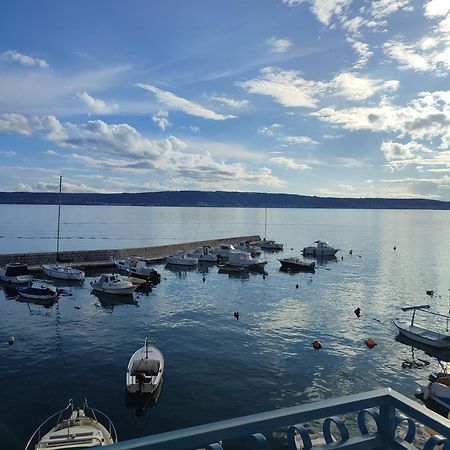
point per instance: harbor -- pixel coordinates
(219, 366)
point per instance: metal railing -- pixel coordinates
(385, 408)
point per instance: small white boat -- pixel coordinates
(15, 273)
(203, 254)
(112, 283)
(296, 264)
(320, 249)
(145, 370)
(435, 392)
(223, 250)
(181, 259)
(247, 246)
(270, 245)
(244, 259)
(82, 429)
(38, 290)
(420, 334)
(138, 267)
(63, 272)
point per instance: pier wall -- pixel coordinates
(80, 257)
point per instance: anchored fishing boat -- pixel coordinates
(138, 267)
(420, 334)
(320, 249)
(181, 259)
(57, 270)
(38, 290)
(15, 273)
(145, 370)
(113, 283)
(82, 429)
(435, 392)
(296, 264)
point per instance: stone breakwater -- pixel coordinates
(105, 257)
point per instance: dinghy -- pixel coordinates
(112, 283)
(38, 290)
(82, 429)
(145, 370)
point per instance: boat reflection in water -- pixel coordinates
(443, 354)
(141, 403)
(109, 301)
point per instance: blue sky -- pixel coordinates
(345, 98)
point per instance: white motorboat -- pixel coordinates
(63, 272)
(112, 283)
(145, 370)
(420, 334)
(204, 254)
(296, 264)
(82, 429)
(138, 267)
(38, 290)
(270, 245)
(247, 246)
(320, 249)
(435, 392)
(244, 259)
(181, 259)
(15, 273)
(223, 250)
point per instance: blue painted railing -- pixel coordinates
(386, 409)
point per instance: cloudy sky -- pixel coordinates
(317, 97)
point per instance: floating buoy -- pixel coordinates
(76, 307)
(317, 345)
(264, 276)
(371, 343)
(296, 286)
(236, 314)
(342, 258)
(430, 293)
(204, 279)
(350, 252)
(11, 340)
(357, 311)
(395, 248)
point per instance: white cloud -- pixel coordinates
(279, 45)
(15, 123)
(437, 8)
(363, 50)
(383, 8)
(407, 56)
(161, 119)
(8, 154)
(227, 101)
(286, 87)
(96, 105)
(299, 140)
(353, 87)
(289, 163)
(24, 60)
(173, 102)
(396, 150)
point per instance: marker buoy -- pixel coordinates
(430, 293)
(357, 311)
(350, 252)
(317, 345)
(236, 314)
(204, 279)
(395, 248)
(371, 343)
(296, 286)
(11, 340)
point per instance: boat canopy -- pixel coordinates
(16, 270)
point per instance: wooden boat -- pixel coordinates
(57, 270)
(296, 264)
(82, 429)
(420, 334)
(145, 370)
(38, 290)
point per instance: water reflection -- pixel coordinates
(110, 301)
(9, 290)
(181, 271)
(142, 403)
(443, 355)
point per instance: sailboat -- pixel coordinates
(266, 244)
(57, 270)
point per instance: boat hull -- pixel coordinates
(318, 253)
(415, 333)
(63, 273)
(115, 291)
(292, 266)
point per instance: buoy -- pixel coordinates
(357, 311)
(76, 307)
(350, 252)
(11, 340)
(204, 279)
(371, 343)
(342, 258)
(317, 345)
(431, 293)
(264, 276)
(236, 314)
(395, 248)
(296, 286)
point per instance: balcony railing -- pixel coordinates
(388, 411)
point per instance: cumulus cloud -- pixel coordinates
(161, 118)
(96, 105)
(437, 8)
(299, 140)
(363, 50)
(396, 150)
(279, 45)
(24, 60)
(231, 102)
(16, 123)
(383, 8)
(173, 102)
(289, 163)
(286, 87)
(8, 154)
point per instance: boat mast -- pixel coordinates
(265, 223)
(59, 219)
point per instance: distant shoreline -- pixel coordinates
(218, 199)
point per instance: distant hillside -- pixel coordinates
(219, 199)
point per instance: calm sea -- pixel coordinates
(218, 367)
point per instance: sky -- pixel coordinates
(346, 98)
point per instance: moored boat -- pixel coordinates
(222, 251)
(145, 369)
(63, 272)
(38, 290)
(296, 264)
(244, 259)
(82, 429)
(270, 245)
(420, 334)
(247, 246)
(435, 392)
(138, 267)
(15, 273)
(181, 259)
(203, 254)
(320, 249)
(113, 283)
